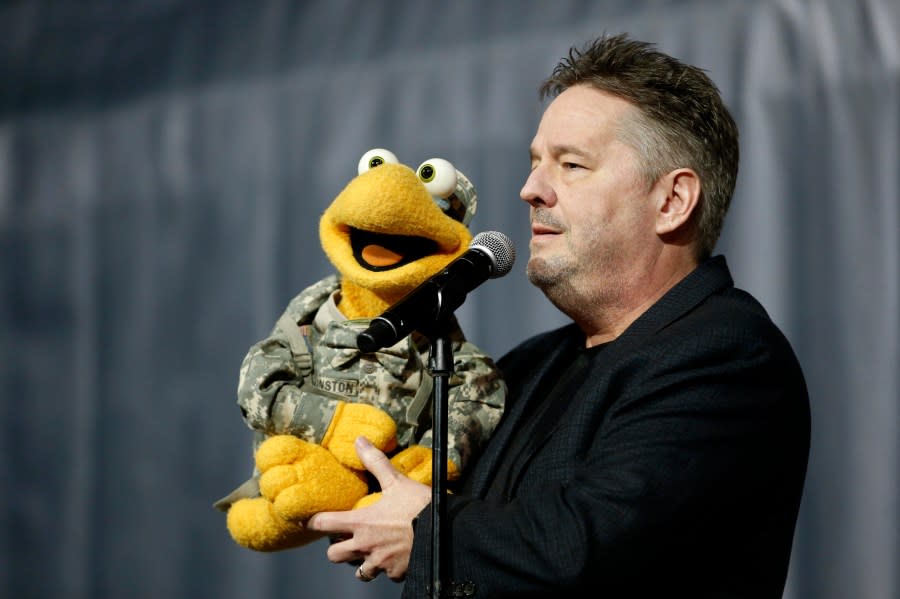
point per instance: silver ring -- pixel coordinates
(363, 576)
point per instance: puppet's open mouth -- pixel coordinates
(379, 251)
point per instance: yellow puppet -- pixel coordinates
(308, 392)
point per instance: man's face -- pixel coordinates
(592, 218)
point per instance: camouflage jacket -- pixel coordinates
(291, 382)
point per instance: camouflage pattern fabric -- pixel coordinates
(291, 382)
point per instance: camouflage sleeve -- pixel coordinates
(273, 392)
(273, 396)
(476, 400)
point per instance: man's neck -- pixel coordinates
(614, 318)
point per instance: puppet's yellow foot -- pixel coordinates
(278, 450)
(253, 523)
(302, 479)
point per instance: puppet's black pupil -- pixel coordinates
(427, 172)
(377, 161)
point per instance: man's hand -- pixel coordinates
(380, 535)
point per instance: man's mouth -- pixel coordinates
(379, 252)
(543, 224)
(538, 229)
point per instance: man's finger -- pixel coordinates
(343, 552)
(376, 462)
(331, 522)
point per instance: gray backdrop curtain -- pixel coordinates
(163, 165)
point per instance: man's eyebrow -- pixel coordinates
(568, 149)
(558, 150)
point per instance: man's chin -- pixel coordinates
(541, 274)
(554, 286)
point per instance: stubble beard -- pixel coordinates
(570, 281)
(552, 274)
(555, 276)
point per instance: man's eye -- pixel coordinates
(571, 166)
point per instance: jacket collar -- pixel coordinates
(710, 277)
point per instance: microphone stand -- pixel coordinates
(440, 365)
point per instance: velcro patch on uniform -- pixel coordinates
(346, 387)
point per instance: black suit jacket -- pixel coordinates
(675, 469)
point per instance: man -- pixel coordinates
(657, 446)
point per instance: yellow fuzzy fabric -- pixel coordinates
(415, 462)
(388, 199)
(297, 480)
(357, 302)
(301, 478)
(352, 420)
(254, 523)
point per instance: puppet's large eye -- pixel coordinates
(375, 157)
(439, 177)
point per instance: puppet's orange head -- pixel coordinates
(392, 227)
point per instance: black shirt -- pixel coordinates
(546, 405)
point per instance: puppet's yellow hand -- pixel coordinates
(352, 420)
(415, 462)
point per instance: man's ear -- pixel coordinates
(679, 198)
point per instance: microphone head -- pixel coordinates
(499, 248)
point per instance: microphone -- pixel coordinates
(490, 255)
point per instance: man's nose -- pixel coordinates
(537, 190)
